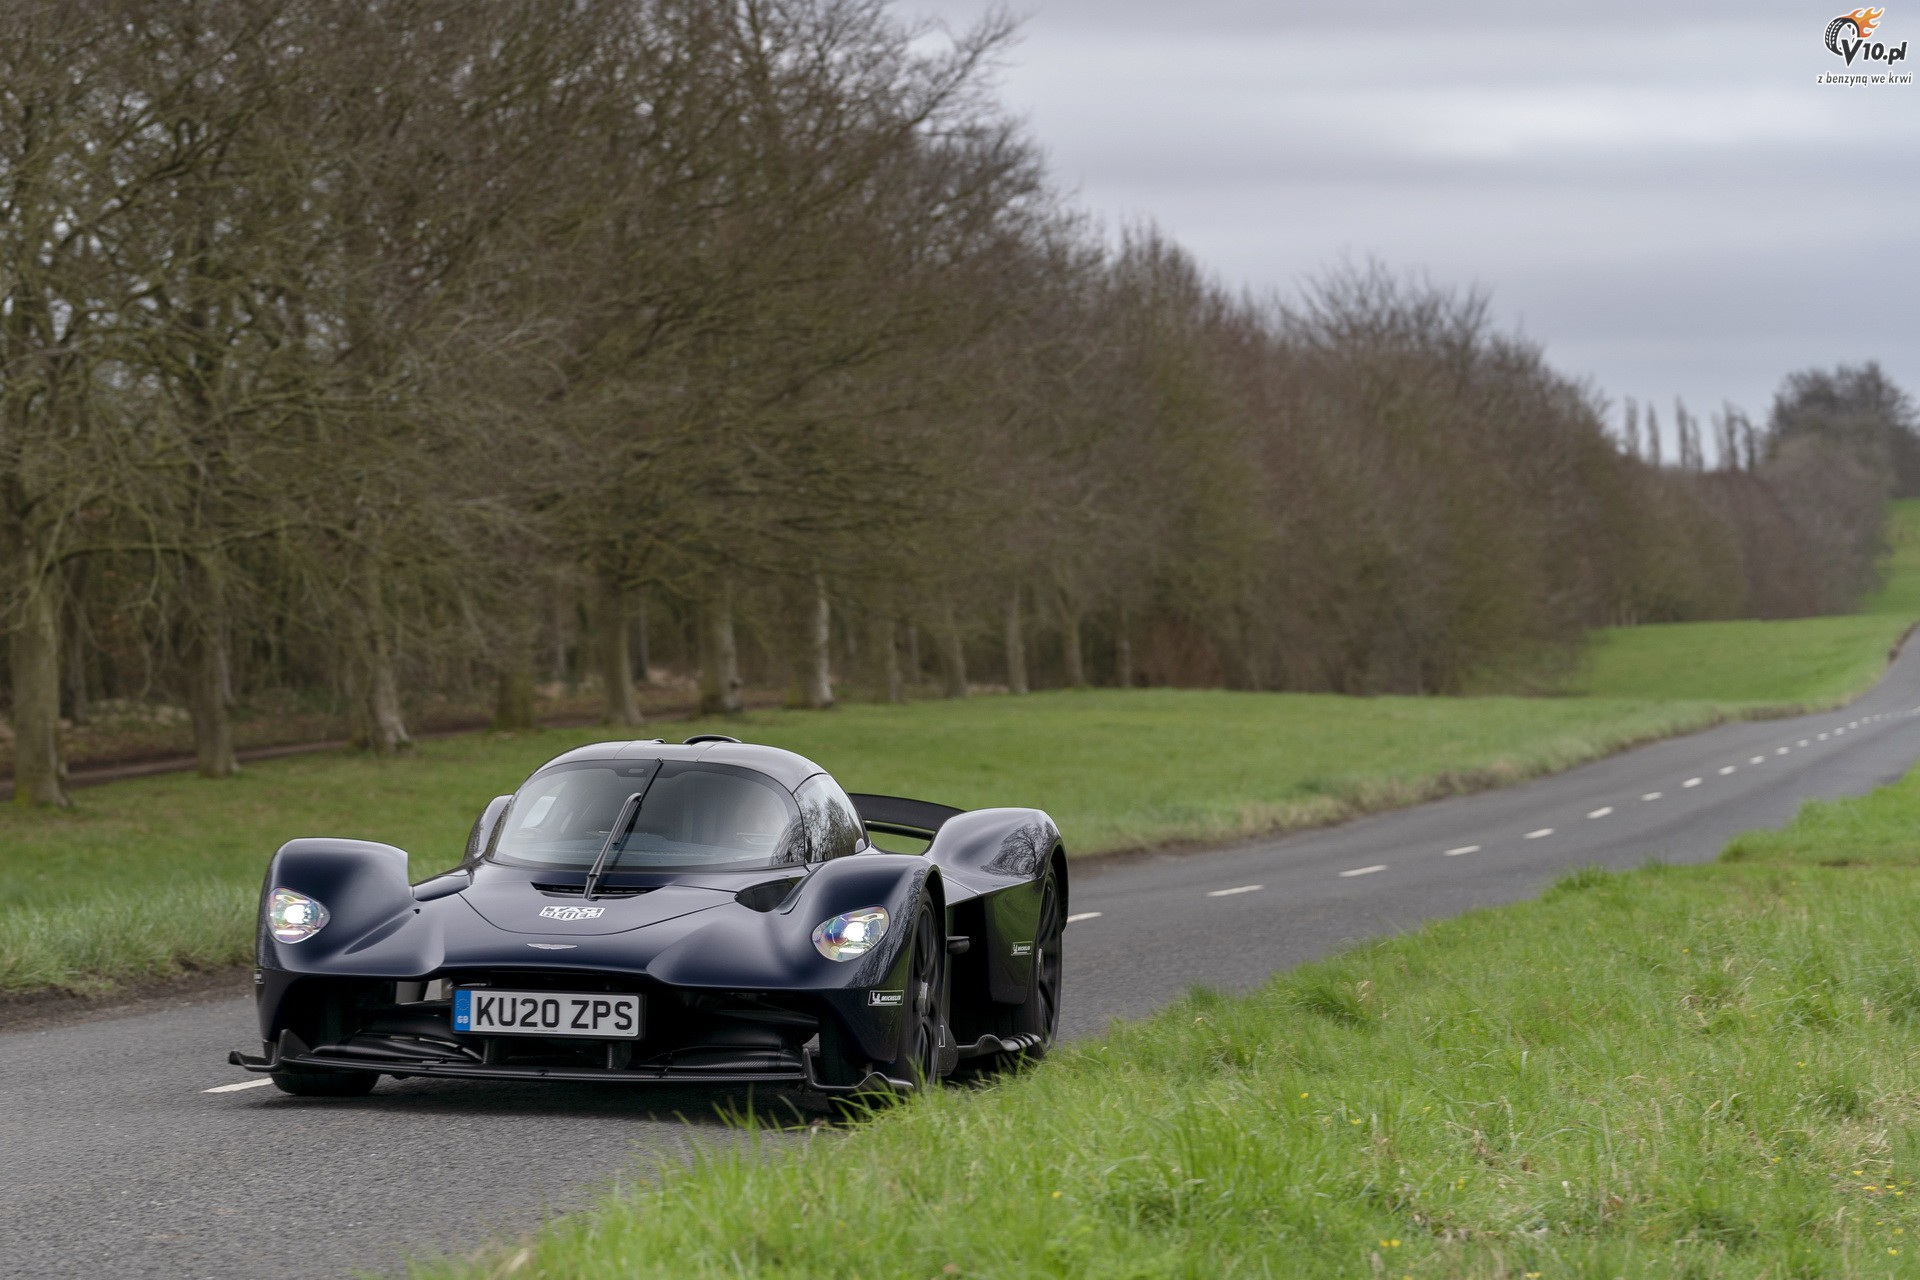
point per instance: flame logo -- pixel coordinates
(1863, 21)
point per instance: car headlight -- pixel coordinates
(850, 935)
(294, 917)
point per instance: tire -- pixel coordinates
(1037, 1019)
(923, 1033)
(321, 1083)
(1833, 32)
(923, 1023)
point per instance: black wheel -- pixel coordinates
(1032, 1024)
(313, 1082)
(1833, 32)
(1042, 1009)
(923, 1024)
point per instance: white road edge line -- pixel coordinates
(1084, 915)
(1465, 848)
(235, 1088)
(1602, 811)
(1691, 782)
(1365, 871)
(1541, 834)
(1653, 795)
(1228, 893)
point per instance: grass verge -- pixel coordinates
(145, 877)
(1700, 1072)
(154, 875)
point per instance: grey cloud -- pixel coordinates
(1662, 195)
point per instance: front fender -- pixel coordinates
(362, 884)
(741, 949)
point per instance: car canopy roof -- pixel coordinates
(785, 767)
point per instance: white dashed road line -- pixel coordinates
(1652, 795)
(1602, 811)
(1691, 782)
(235, 1088)
(1365, 871)
(1729, 769)
(1758, 760)
(1780, 751)
(1802, 742)
(1465, 848)
(1541, 834)
(1084, 915)
(1228, 893)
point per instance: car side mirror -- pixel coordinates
(482, 834)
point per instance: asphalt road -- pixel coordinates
(123, 1152)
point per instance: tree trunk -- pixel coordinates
(209, 686)
(719, 656)
(383, 726)
(207, 702)
(953, 657)
(1123, 650)
(514, 676)
(513, 699)
(385, 723)
(559, 635)
(616, 659)
(913, 654)
(73, 635)
(1016, 646)
(39, 776)
(814, 674)
(1070, 643)
(642, 659)
(886, 661)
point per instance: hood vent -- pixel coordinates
(604, 891)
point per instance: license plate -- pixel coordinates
(604, 1015)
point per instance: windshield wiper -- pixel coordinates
(622, 824)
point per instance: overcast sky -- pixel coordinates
(1661, 193)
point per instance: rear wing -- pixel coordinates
(902, 817)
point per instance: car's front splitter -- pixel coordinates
(799, 1069)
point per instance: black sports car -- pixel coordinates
(712, 911)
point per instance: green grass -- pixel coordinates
(1677, 1072)
(148, 877)
(1803, 662)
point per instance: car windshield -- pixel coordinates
(694, 817)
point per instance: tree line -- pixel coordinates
(441, 345)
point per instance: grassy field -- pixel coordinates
(1697, 1072)
(1807, 662)
(1804, 661)
(146, 877)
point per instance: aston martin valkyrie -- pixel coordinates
(641, 912)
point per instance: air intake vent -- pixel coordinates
(604, 891)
